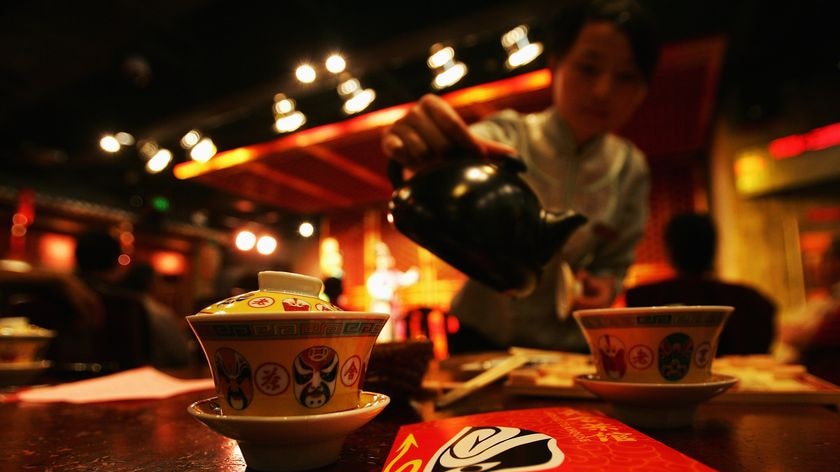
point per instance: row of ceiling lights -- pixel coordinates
(442, 61)
(266, 244)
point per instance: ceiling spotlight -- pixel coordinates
(355, 97)
(109, 143)
(305, 73)
(148, 148)
(245, 240)
(201, 148)
(286, 118)
(190, 139)
(266, 245)
(520, 51)
(306, 229)
(159, 161)
(335, 63)
(114, 142)
(124, 138)
(447, 70)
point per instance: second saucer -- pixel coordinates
(655, 405)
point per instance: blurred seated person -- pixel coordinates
(170, 345)
(814, 331)
(56, 301)
(334, 290)
(383, 286)
(691, 243)
(125, 341)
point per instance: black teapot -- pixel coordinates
(478, 215)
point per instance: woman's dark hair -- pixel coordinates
(626, 15)
(691, 240)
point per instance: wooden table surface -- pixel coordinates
(159, 435)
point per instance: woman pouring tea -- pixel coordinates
(601, 57)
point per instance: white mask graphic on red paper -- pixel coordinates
(497, 449)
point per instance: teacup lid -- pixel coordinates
(278, 292)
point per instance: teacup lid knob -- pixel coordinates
(287, 282)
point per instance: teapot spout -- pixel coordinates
(556, 230)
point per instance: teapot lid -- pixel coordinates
(278, 292)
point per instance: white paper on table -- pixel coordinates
(142, 383)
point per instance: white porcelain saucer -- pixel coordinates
(655, 405)
(21, 373)
(289, 443)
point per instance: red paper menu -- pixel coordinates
(539, 439)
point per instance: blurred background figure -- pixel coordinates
(97, 254)
(331, 259)
(334, 290)
(813, 333)
(171, 346)
(691, 243)
(125, 338)
(382, 285)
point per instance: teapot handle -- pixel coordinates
(506, 162)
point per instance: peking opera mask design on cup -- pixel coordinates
(235, 382)
(315, 371)
(611, 354)
(675, 353)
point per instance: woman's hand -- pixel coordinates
(432, 130)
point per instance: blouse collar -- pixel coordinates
(558, 130)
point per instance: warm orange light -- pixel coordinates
(186, 170)
(437, 334)
(245, 240)
(20, 219)
(531, 81)
(750, 170)
(748, 164)
(56, 251)
(168, 262)
(266, 245)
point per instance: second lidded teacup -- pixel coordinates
(283, 351)
(658, 344)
